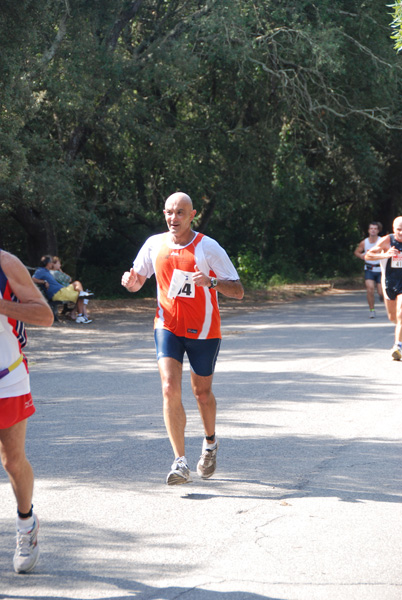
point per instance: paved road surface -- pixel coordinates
(306, 502)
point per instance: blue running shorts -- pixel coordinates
(202, 354)
(373, 275)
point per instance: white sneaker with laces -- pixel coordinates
(207, 464)
(179, 474)
(27, 552)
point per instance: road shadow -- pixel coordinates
(102, 390)
(131, 589)
(99, 424)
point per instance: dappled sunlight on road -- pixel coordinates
(309, 407)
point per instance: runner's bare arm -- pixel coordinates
(381, 250)
(359, 252)
(229, 288)
(132, 281)
(32, 307)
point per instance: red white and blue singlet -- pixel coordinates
(12, 341)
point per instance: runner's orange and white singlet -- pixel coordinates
(191, 311)
(184, 308)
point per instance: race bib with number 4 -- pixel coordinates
(396, 261)
(181, 284)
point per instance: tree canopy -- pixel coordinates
(282, 120)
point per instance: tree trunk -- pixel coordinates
(205, 213)
(40, 234)
(391, 205)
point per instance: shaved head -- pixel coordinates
(397, 222)
(181, 197)
(179, 213)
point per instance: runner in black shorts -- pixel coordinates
(390, 247)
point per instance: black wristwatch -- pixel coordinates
(214, 283)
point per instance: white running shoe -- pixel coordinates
(180, 473)
(207, 464)
(27, 552)
(83, 319)
(372, 314)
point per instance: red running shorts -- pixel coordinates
(15, 409)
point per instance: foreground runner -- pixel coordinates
(390, 247)
(20, 301)
(189, 268)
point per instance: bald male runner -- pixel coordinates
(190, 268)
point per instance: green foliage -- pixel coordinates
(281, 119)
(251, 269)
(397, 25)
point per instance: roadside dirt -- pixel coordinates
(253, 299)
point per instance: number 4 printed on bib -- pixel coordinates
(181, 284)
(396, 261)
(188, 288)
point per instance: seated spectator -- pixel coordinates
(66, 280)
(55, 291)
(59, 274)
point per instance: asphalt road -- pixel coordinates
(306, 501)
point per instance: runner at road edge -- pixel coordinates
(20, 302)
(390, 248)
